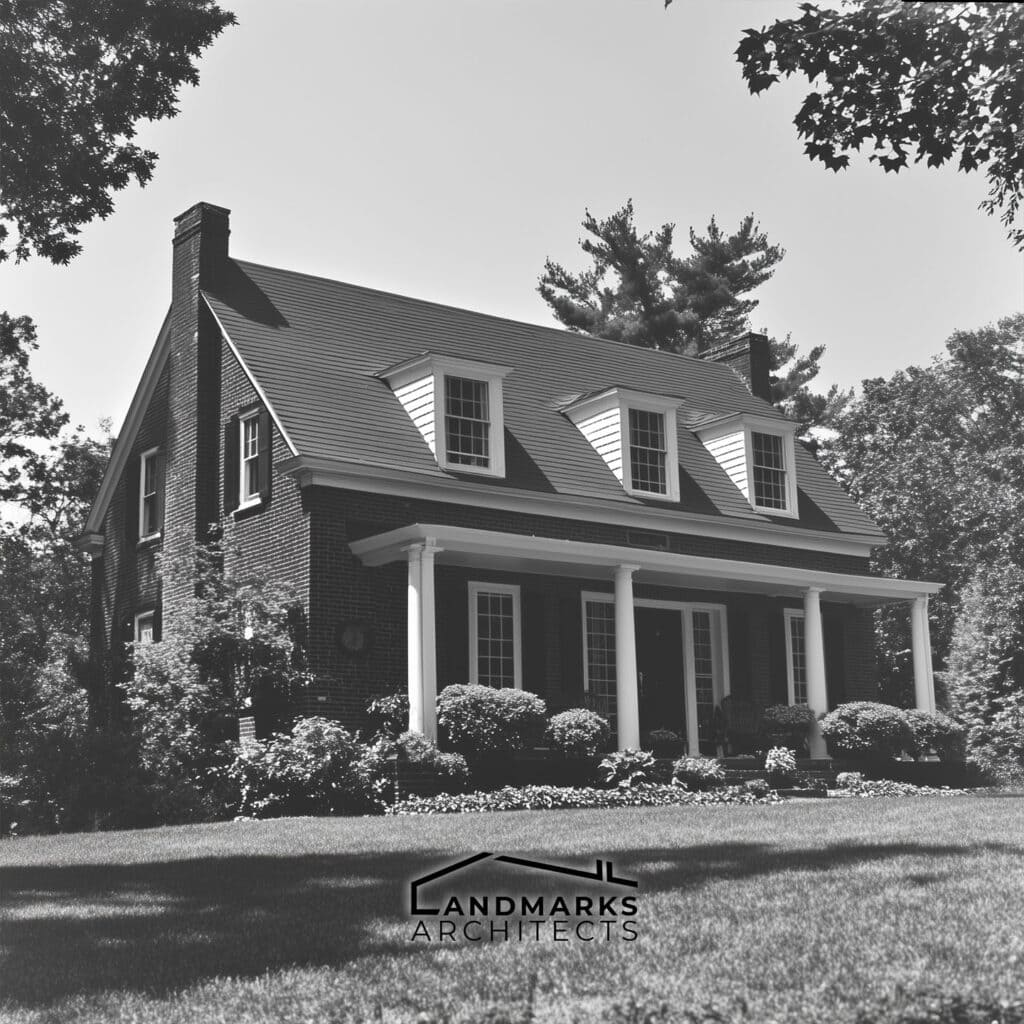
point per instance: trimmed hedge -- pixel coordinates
(532, 798)
(866, 729)
(480, 719)
(578, 732)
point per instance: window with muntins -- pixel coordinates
(647, 451)
(149, 519)
(467, 422)
(769, 471)
(250, 459)
(144, 627)
(796, 652)
(495, 641)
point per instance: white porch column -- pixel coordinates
(814, 653)
(921, 647)
(428, 632)
(421, 642)
(627, 701)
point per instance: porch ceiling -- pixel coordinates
(512, 552)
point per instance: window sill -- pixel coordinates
(247, 508)
(151, 538)
(783, 513)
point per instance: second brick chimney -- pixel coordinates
(750, 357)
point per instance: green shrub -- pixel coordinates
(387, 717)
(780, 764)
(757, 787)
(888, 787)
(628, 768)
(848, 780)
(664, 743)
(532, 798)
(450, 770)
(931, 730)
(480, 719)
(578, 732)
(320, 768)
(698, 773)
(866, 729)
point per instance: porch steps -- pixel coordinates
(740, 770)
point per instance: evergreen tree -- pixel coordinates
(638, 291)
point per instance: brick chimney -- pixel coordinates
(750, 357)
(193, 403)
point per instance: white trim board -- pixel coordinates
(369, 478)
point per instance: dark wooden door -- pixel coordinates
(659, 663)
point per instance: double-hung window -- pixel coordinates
(648, 451)
(495, 635)
(768, 463)
(467, 423)
(145, 627)
(796, 656)
(249, 459)
(149, 494)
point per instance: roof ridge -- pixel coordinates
(489, 316)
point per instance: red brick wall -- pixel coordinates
(343, 590)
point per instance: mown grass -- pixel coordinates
(803, 911)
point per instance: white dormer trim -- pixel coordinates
(603, 419)
(730, 442)
(419, 384)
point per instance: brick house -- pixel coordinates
(462, 498)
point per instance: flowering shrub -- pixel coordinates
(780, 764)
(757, 787)
(387, 717)
(698, 773)
(847, 780)
(319, 769)
(628, 768)
(531, 798)
(578, 732)
(886, 787)
(788, 717)
(478, 719)
(930, 730)
(865, 729)
(451, 770)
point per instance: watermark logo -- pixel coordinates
(453, 904)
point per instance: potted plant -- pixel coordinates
(787, 725)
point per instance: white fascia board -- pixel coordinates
(93, 529)
(590, 405)
(256, 386)
(374, 479)
(433, 362)
(654, 567)
(749, 420)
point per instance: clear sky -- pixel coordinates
(444, 149)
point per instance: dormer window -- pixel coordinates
(647, 451)
(467, 423)
(457, 406)
(636, 435)
(758, 454)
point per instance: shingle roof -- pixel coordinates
(314, 346)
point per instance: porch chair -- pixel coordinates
(741, 720)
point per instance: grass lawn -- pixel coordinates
(803, 911)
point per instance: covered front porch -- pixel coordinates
(654, 625)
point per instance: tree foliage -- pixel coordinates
(637, 290)
(76, 80)
(986, 668)
(935, 455)
(933, 82)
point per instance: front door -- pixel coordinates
(659, 663)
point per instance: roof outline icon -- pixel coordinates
(603, 872)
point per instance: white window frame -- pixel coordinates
(495, 422)
(789, 615)
(475, 588)
(244, 500)
(144, 459)
(789, 467)
(139, 619)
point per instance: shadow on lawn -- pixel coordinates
(162, 926)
